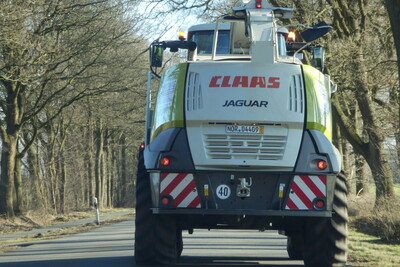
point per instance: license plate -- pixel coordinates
(252, 129)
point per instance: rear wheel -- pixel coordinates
(179, 242)
(325, 240)
(155, 235)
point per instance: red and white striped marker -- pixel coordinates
(182, 188)
(304, 189)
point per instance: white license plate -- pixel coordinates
(252, 129)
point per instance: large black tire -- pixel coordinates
(295, 246)
(179, 242)
(155, 235)
(325, 240)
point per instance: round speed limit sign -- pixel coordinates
(223, 191)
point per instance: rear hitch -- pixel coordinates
(243, 188)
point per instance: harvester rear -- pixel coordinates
(240, 137)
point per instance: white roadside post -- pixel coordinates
(96, 209)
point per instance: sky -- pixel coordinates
(164, 27)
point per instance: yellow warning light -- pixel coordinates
(182, 35)
(206, 190)
(292, 36)
(281, 188)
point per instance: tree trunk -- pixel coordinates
(98, 173)
(8, 156)
(62, 173)
(52, 170)
(123, 181)
(115, 172)
(381, 172)
(111, 176)
(13, 112)
(345, 150)
(348, 165)
(62, 168)
(53, 186)
(393, 8)
(90, 158)
(19, 200)
(37, 196)
(104, 169)
(90, 166)
(361, 176)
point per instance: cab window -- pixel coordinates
(204, 41)
(282, 45)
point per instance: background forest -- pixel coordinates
(72, 94)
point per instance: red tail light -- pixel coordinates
(165, 201)
(322, 165)
(319, 203)
(141, 147)
(164, 161)
(258, 3)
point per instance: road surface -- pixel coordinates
(113, 246)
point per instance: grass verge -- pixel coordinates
(374, 236)
(39, 219)
(12, 244)
(366, 250)
(397, 190)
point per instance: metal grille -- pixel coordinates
(296, 96)
(194, 100)
(245, 146)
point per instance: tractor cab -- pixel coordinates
(232, 42)
(251, 33)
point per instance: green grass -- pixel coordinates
(397, 189)
(374, 236)
(367, 250)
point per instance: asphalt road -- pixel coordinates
(113, 246)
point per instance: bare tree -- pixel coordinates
(393, 9)
(51, 52)
(360, 41)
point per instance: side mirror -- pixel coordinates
(156, 56)
(315, 32)
(318, 57)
